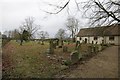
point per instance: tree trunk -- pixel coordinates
(21, 41)
(42, 42)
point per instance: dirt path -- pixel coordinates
(103, 65)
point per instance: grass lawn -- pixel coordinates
(30, 60)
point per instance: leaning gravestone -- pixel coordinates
(65, 48)
(74, 57)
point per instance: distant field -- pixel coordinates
(30, 59)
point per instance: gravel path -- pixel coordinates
(103, 65)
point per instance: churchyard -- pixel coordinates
(34, 60)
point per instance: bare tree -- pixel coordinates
(6, 33)
(15, 34)
(61, 34)
(29, 26)
(43, 35)
(28, 29)
(58, 7)
(72, 26)
(99, 12)
(104, 12)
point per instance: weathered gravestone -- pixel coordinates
(99, 48)
(95, 48)
(65, 48)
(42, 42)
(102, 44)
(77, 45)
(90, 49)
(61, 43)
(51, 48)
(54, 44)
(57, 42)
(74, 57)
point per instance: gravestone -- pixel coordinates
(48, 51)
(74, 57)
(102, 44)
(65, 48)
(51, 49)
(99, 48)
(57, 42)
(90, 49)
(77, 45)
(92, 42)
(95, 48)
(42, 42)
(60, 43)
(54, 44)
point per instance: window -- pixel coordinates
(111, 38)
(85, 40)
(80, 38)
(95, 38)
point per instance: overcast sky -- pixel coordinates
(13, 13)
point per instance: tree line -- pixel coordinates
(28, 29)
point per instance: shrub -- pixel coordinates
(5, 41)
(67, 62)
